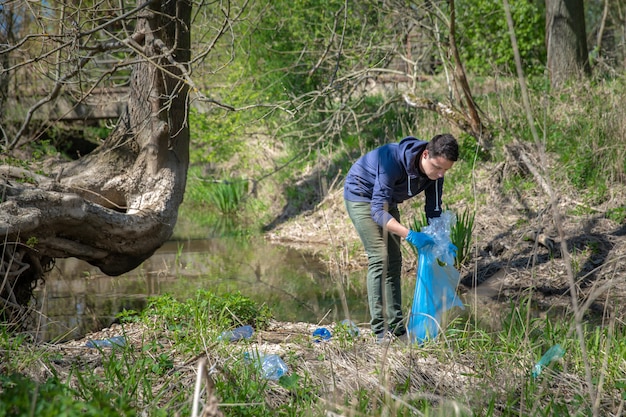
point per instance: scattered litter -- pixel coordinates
(271, 366)
(321, 334)
(110, 342)
(556, 352)
(243, 332)
(351, 328)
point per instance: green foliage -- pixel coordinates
(209, 314)
(469, 150)
(290, 49)
(517, 182)
(140, 381)
(131, 377)
(208, 309)
(387, 121)
(586, 137)
(520, 341)
(617, 214)
(96, 133)
(486, 46)
(582, 170)
(216, 208)
(460, 234)
(21, 396)
(283, 60)
(215, 137)
(249, 395)
(42, 149)
(419, 222)
(226, 196)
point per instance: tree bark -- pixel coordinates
(116, 206)
(478, 130)
(566, 40)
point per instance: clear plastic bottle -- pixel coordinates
(110, 342)
(273, 367)
(351, 328)
(243, 332)
(556, 352)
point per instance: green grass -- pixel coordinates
(151, 380)
(461, 236)
(216, 208)
(21, 396)
(190, 322)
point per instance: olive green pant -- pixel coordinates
(384, 269)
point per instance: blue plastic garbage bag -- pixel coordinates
(435, 289)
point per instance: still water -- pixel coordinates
(77, 298)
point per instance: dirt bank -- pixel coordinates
(522, 246)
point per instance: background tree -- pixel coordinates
(313, 77)
(566, 40)
(484, 49)
(114, 207)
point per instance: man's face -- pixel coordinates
(434, 168)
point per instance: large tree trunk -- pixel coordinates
(114, 207)
(566, 39)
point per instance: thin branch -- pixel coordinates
(124, 16)
(477, 127)
(605, 13)
(56, 90)
(225, 25)
(554, 204)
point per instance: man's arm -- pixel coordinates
(396, 228)
(418, 239)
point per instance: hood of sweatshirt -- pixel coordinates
(409, 150)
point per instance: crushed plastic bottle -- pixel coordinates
(271, 366)
(351, 328)
(321, 334)
(556, 352)
(243, 332)
(110, 342)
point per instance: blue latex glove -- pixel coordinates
(419, 240)
(453, 249)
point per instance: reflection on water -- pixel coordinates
(77, 298)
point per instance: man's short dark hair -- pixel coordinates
(444, 145)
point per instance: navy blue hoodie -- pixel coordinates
(388, 175)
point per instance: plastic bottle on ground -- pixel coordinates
(110, 342)
(352, 329)
(273, 367)
(321, 334)
(243, 332)
(556, 352)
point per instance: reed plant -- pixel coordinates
(460, 234)
(227, 196)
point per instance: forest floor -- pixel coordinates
(517, 252)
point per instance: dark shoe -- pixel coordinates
(403, 338)
(384, 338)
(388, 337)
